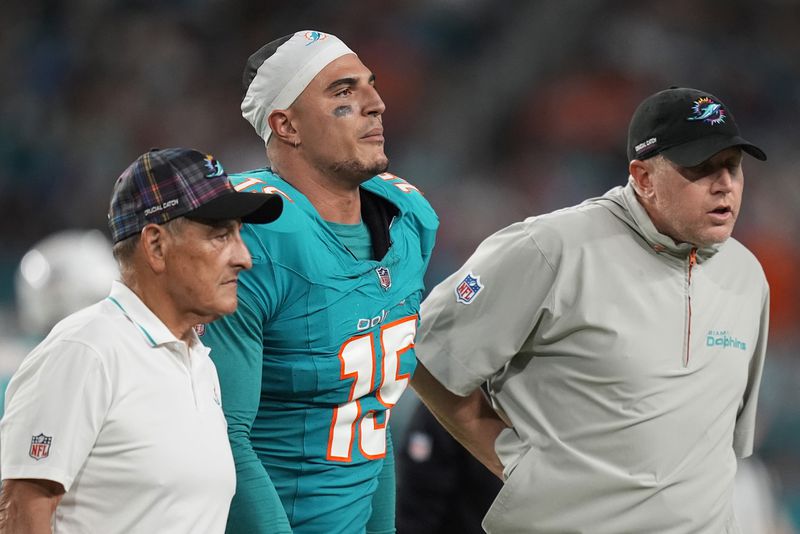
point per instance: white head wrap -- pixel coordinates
(281, 70)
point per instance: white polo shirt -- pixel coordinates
(127, 418)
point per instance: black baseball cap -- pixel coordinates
(687, 126)
(164, 184)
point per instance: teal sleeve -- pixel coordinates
(236, 348)
(382, 520)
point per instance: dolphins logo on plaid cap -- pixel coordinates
(214, 167)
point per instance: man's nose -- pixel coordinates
(724, 180)
(374, 105)
(241, 254)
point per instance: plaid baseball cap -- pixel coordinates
(164, 184)
(688, 126)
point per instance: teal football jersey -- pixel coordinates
(320, 349)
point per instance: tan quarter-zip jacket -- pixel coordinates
(628, 365)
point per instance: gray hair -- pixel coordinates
(124, 250)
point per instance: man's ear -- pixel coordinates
(641, 173)
(154, 244)
(280, 122)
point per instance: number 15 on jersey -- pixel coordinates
(357, 357)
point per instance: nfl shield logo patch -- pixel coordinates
(468, 288)
(384, 277)
(40, 446)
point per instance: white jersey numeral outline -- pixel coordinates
(401, 183)
(357, 359)
(250, 181)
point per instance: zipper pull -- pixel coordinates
(692, 261)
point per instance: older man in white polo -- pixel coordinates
(114, 422)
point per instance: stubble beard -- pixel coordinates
(356, 171)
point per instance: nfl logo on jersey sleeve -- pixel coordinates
(468, 289)
(40, 446)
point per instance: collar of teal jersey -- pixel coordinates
(625, 205)
(152, 328)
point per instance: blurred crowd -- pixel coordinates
(496, 110)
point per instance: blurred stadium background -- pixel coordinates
(497, 110)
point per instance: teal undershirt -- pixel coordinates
(355, 237)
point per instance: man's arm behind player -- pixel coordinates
(471, 420)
